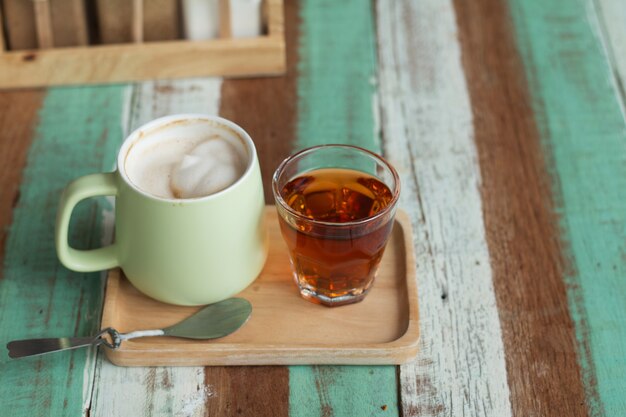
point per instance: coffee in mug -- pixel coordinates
(203, 163)
(189, 226)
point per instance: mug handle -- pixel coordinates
(84, 260)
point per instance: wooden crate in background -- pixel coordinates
(105, 63)
(62, 23)
(115, 21)
(20, 27)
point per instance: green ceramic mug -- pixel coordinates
(180, 251)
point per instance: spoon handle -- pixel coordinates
(139, 333)
(211, 322)
(32, 347)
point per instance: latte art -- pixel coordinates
(186, 163)
(210, 167)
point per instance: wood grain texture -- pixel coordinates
(274, 14)
(581, 120)
(149, 100)
(156, 391)
(224, 19)
(3, 40)
(130, 62)
(69, 22)
(137, 20)
(428, 135)
(43, 24)
(248, 391)
(612, 15)
(242, 399)
(336, 104)
(18, 118)
(19, 24)
(160, 20)
(336, 95)
(38, 296)
(122, 21)
(522, 227)
(115, 20)
(64, 22)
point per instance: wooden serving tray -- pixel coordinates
(284, 329)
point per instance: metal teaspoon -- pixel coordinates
(211, 322)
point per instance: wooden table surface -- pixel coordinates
(505, 119)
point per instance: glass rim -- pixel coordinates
(280, 200)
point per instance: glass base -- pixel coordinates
(343, 300)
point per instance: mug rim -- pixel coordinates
(164, 121)
(390, 208)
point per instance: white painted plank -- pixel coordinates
(154, 99)
(611, 27)
(427, 122)
(172, 391)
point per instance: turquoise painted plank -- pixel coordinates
(336, 87)
(583, 129)
(337, 74)
(78, 133)
(342, 391)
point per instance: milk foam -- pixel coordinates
(210, 167)
(187, 162)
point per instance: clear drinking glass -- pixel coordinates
(336, 205)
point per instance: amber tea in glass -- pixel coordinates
(335, 219)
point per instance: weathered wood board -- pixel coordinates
(461, 367)
(506, 121)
